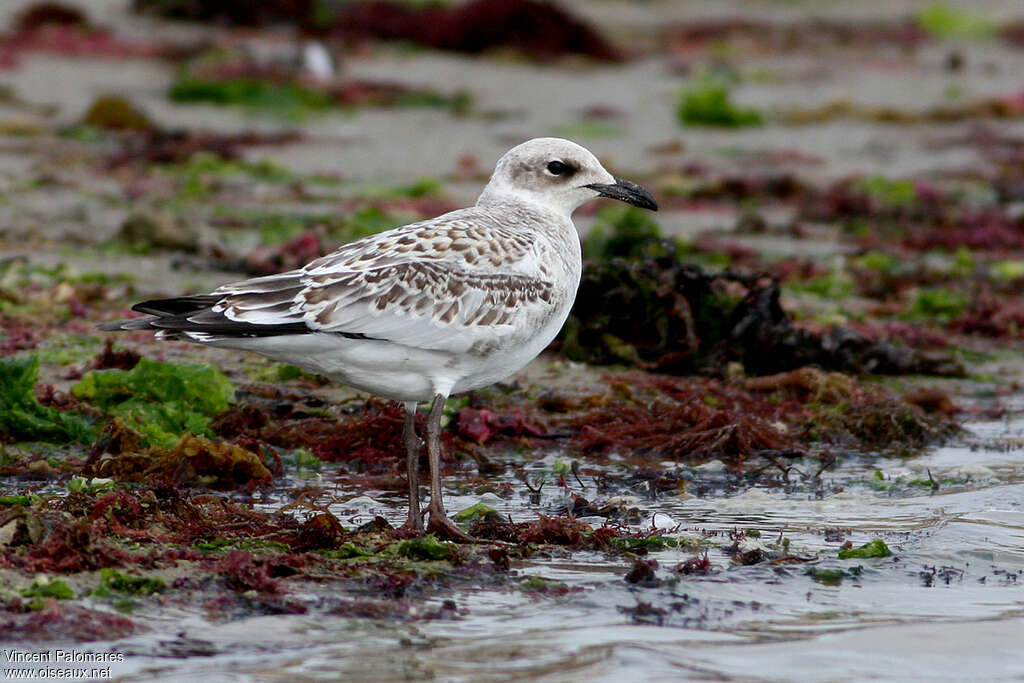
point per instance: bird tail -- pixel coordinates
(163, 314)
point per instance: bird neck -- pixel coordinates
(505, 196)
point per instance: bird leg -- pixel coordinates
(439, 523)
(412, 451)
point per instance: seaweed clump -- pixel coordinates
(113, 112)
(161, 400)
(542, 30)
(708, 104)
(655, 312)
(64, 29)
(22, 417)
(772, 418)
(839, 410)
(539, 29)
(119, 454)
(692, 431)
(369, 440)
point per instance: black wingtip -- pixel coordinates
(176, 305)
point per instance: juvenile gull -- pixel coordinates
(416, 313)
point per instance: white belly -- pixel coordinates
(400, 372)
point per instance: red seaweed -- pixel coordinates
(690, 430)
(61, 622)
(482, 425)
(542, 30)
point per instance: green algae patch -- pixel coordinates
(474, 512)
(708, 104)
(425, 548)
(826, 577)
(45, 587)
(290, 98)
(946, 22)
(621, 231)
(873, 548)
(282, 372)
(112, 580)
(539, 586)
(647, 544)
(161, 400)
(939, 304)
(223, 545)
(346, 551)
(23, 418)
(536, 583)
(120, 589)
(111, 112)
(889, 192)
(119, 455)
(93, 485)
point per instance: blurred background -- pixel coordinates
(769, 130)
(842, 191)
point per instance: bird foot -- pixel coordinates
(442, 527)
(409, 530)
(413, 526)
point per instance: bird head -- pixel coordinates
(558, 175)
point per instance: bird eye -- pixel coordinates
(557, 168)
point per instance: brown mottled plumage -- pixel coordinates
(416, 313)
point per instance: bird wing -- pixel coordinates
(441, 284)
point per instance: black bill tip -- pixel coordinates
(626, 191)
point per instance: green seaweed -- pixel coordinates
(946, 22)
(827, 577)
(113, 580)
(540, 585)
(289, 99)
(880, 261)
(161, 400)
(460, 102)
(647, 544)
(223, 545)
(119, 588)
(281, 372)
(425, 186)
(621, 232)
(890, 192)
(588, 129)
(347, 551)
(707, 103)
(23, 418)
(474, 512)
(367, 220)
(938, 304)
(874, 548)
(303, 459)
(113, 112)
(66, 349)
(46, 587)
(835, 285)
(1007, 271)
(94, 485)
(425, 548)
(278, 228)
(22, 283)
(201, 166)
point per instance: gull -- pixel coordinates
(419, 312)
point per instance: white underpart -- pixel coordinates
(449, 304)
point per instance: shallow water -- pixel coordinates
(948, 604)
